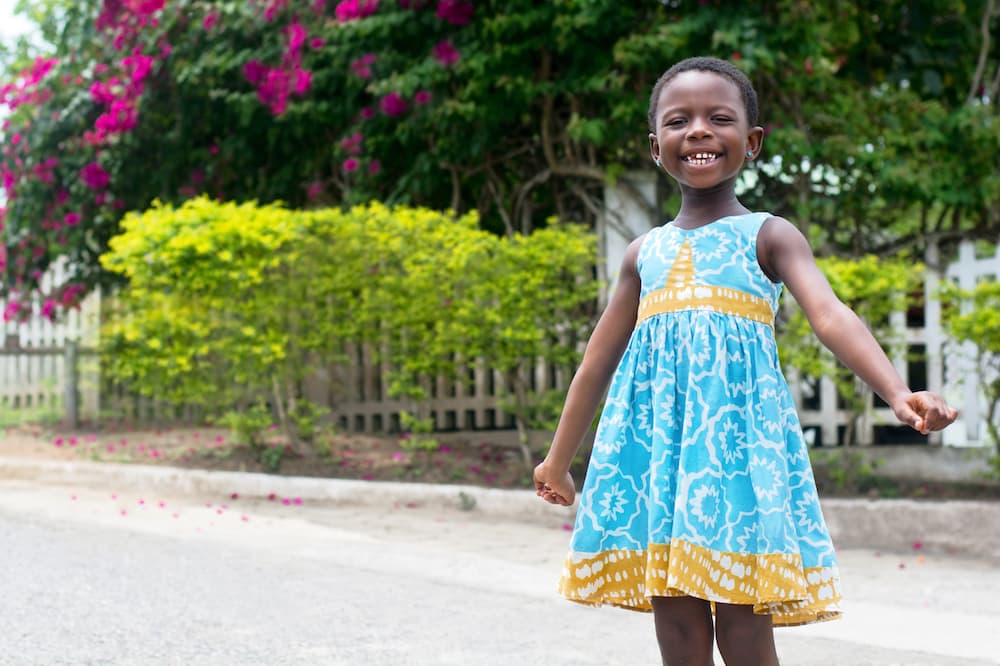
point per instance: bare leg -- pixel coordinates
(745, 638)
(683, 630)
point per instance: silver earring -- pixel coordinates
(749, 153)
(657, 162)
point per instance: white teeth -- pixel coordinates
(701, 158)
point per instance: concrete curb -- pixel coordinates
(507, 504)
(966, 528)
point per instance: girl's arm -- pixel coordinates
(604, 350)
(785, 256)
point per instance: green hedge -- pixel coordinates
(227, 303)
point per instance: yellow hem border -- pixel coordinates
(774, 584)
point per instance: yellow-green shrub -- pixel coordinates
(228, 302)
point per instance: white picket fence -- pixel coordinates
(33, 373)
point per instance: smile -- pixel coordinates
(701, 159)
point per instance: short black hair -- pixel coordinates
(716, 66)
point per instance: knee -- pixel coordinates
(746, 638)
(684, 632)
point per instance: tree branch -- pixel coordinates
(522, 192)
(494, 189)
(984, 49)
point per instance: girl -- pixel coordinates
(699, 497)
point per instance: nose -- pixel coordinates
(698, 128)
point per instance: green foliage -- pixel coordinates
(248, 426)
(252, 427)
(228, 304)
(417, 433)
(845, 472)
(271, 456)
(973, 316)
(873, 288)
(881, 128)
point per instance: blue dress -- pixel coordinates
(699, 481)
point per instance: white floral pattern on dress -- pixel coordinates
(699, 442)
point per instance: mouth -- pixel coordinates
(700, 159)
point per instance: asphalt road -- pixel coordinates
(92, 576)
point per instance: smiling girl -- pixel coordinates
(699, 498)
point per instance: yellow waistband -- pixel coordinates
(713, 299)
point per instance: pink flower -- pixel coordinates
(367, 113)
(296, 36)
(350, 10)
(94, 176)
(139, 65)
(422, 97)
(303, 80)
(10, 313)
(255, 71)
(350, 164)
(392, 104)
(374, 167)
(314, 190)
(272, 9)
(121, 117)
(445, 53)
(94, 138)
(352, 144)
(456, 12)
(49, 309)
(362, 66)
(211, 19)
(316, 43)
(9, 179)
(72, 219)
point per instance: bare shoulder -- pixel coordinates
(630, 262)
(777, 242)
(778, 230)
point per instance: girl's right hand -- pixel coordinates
(554, 488)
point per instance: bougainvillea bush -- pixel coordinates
(880, 120)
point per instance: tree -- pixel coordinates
(881, 117)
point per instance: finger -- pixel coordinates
(911, 418)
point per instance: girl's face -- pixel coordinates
(702, 134)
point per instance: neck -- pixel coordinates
(700, 207)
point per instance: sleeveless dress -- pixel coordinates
(699, 481)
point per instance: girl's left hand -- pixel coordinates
(924, 411)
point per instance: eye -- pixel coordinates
(723, 119)
(674, 122)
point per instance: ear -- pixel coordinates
(755, 140)
(654, 147)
